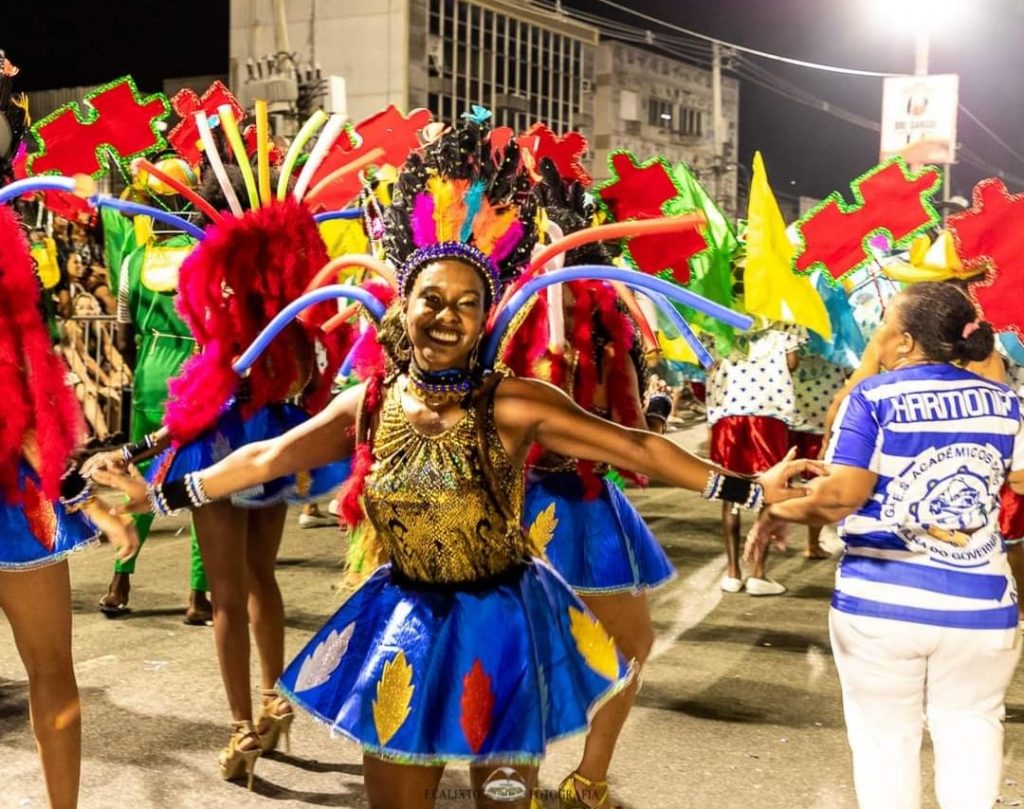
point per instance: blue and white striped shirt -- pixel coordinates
(925, 547)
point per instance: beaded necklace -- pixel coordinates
(435, 388)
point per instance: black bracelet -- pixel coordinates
(742, 491)
(132, 451)
(73, 485)
(735, 489)
(175, 495)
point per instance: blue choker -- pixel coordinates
(439, 387)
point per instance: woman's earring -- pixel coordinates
(473, 354)
(404, 347)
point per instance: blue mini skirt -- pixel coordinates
(599, 546)
(37, 532)
(425, 674)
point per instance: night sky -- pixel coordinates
(806, 150)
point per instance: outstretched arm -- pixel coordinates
(324, 438)
(528, 411)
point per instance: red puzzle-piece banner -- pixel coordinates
(642, 192)
(890, 199)
(396, 134)
(114, 118)
(989, 238)
(184, 138)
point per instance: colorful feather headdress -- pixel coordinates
(462, 200)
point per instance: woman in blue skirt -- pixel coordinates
(46, 513)
(463, 647)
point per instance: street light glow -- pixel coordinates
(916, 15)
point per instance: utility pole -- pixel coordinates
(922, 47)
(717, 123)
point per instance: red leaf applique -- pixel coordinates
(477, 706)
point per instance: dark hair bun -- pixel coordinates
(978, 345)
(937, 315)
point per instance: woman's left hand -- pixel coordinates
(120, 531)
(776, 480)
(133, 485)
(766, 530)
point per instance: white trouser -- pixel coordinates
(893, 675)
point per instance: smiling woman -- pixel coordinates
(504, 657)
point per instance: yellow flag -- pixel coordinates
(770, 286)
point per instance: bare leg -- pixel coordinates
(221, 529)
(266, 609)
(390, 785)
(731, 533)
(38, 607)
(814, 549)
(479, 774)
(627, 619)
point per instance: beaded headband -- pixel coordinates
(457, 251)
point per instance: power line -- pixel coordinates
(968, 155)
(992, 134)
(692, 52)
(849, 71)
(770, 81)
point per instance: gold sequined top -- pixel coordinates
(430, 498)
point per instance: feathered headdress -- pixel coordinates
(461, 200)
(249, 265)
(456, 200)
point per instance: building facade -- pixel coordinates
(519, 60)
(653, 105)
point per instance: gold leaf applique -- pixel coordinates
(394, 693)
(594, 643)
(541, 532)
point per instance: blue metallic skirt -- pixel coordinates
(424, 674)
(37, 532)
(600, 546)
(232, 432)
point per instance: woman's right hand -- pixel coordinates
(110, 461)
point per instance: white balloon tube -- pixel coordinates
(328, 136)
(649, 309)
(210, 145)
(556, 306)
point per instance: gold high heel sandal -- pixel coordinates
(568, 797)
(239, 757)
(275, 719)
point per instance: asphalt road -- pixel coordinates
(740, 705)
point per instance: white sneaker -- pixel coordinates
(764, 587)
(730, 584)
(332, 507)
(315, 521)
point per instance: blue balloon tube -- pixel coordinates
(292, 310)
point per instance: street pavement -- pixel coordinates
(740, 705)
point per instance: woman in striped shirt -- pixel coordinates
(924, 615)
